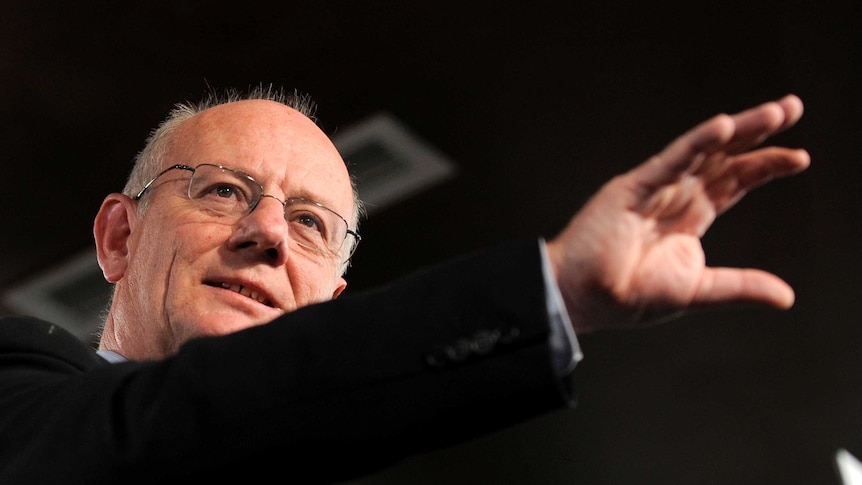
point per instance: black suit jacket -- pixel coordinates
(325, 393)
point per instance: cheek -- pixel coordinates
(163, 256)
(311, 283)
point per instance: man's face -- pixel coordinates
(190, 274)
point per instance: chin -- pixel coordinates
(236, 324)
(223, 324)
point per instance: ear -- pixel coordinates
(111, 230)
(339, 287)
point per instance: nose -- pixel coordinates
(263, 233)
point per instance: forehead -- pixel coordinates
(273, 143)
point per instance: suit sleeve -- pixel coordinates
(326, 393)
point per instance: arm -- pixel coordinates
(324, 393)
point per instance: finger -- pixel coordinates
(751, 170)
(753, 126)
(686, 152)
(735, 285)
(793, 109)
(758, 167)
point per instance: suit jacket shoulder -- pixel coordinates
(38, 340)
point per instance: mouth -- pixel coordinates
(245, 291)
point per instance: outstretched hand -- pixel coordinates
(633, 255)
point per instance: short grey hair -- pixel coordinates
(151, 159)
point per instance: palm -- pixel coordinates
(633, 253)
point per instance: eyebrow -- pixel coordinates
(304, 193)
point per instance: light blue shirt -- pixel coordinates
(564, 342)
(111, 356)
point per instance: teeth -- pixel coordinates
(242, 290)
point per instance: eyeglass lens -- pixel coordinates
(225, 192)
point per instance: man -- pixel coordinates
(235, 358)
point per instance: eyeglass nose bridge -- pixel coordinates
(260, 198)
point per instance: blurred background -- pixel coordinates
(473, 123)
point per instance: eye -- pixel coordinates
(221, 193)
(226, 191)
(214, 186)
(308, 220)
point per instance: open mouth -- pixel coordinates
(244, 291)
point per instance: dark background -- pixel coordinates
(538, 104)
